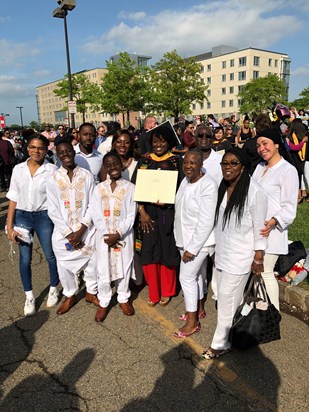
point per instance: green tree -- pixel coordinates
(83, 91)
(303, 101)
(34, 125)
(123, 88)
(176, 83)
(260, 93)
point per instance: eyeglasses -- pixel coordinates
(191, 127)
(201, 135)
(233, 163)
(39, 148)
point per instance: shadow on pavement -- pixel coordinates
(221, 390)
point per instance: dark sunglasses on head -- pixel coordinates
(201, 135)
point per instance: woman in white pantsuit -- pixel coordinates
(195, 206)
(279, 179)
(240, 216)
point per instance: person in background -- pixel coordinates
(111, 129)
(280, 181)
(86, 156)
(144, 145)
(68, 197)
(50, 135)
(27, 212)
(228, 134)
(6, 154)
(179, 149)
(244, 133)
(7, 136)
(195, 204)
(220, 143)
(113, 212)
(188, 136)
(101, 137)
(239, 217)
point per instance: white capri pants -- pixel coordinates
(191, 280)
(105, 290)
(270, 280)
(230, 290)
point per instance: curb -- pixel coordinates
(294, 296)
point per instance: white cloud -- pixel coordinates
(13, 54)
(197, 29)
(301, 71)
(139, 15)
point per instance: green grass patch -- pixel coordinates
(299, 230)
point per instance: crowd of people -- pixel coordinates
(238, 186)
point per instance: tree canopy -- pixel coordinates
(123, 89)
(260, 93)
(175, 84)
(303, 101)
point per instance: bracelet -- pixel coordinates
(258, 262)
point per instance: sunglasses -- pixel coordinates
(233, 163)
(201, 135)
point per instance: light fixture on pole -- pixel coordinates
(61, 12)
(21, 115)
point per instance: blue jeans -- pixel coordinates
(39, 223)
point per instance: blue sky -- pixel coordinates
(33, 49)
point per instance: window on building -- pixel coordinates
(222, 103)
(223, 90)
(208, 80)
(231, 89)
(208, 67)
(240, 88)
(241, 75)
(224, 65)
(242, 61)
(231, 76)
(202, 105)
(202, 68)
(239, 102)
(208, 92)
(256, 61)
(232, 63)
(256, 74)
(208, 105)
(270, 62)
(231, 103)
(276, 63)
(224, 77)
(193, 106)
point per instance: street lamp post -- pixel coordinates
(21, 115)
(61, 12)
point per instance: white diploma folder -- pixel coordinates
(156, 185)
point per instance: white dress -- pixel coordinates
(114, 212)
(68, 203)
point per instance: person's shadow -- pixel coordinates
(16, 343)
(51, 392)
(249, 381)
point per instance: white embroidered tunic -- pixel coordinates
(114, 212)
(68, 203)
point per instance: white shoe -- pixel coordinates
(53, 298)
(29, 308)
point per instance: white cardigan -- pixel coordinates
(194, 214)
(236, 244)
(281, 184)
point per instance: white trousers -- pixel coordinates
(105, 290)
(214, 285)
(69, 278)
(230, 294)
(270, 280)
(306, 174)
(192, 281)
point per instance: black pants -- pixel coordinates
(5, 176)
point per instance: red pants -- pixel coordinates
(161, 281)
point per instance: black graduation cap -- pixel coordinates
(167, 131)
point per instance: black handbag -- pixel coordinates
(259, 325)
(285, 263)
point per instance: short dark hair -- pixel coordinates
(111, 154)
(40, 137)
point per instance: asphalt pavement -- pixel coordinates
(134, 364)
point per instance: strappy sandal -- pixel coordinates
(151, 303)
(210, 354)
(201, 315)
(164, 301)
(181, 335)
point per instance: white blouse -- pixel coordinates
(212, 166)
(236, 244)
(281, 183)
(194, 214)
(29, 192)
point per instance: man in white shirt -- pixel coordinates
(86, 155)
(106, 146)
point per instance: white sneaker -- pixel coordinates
(29, 308)
(52, 299)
